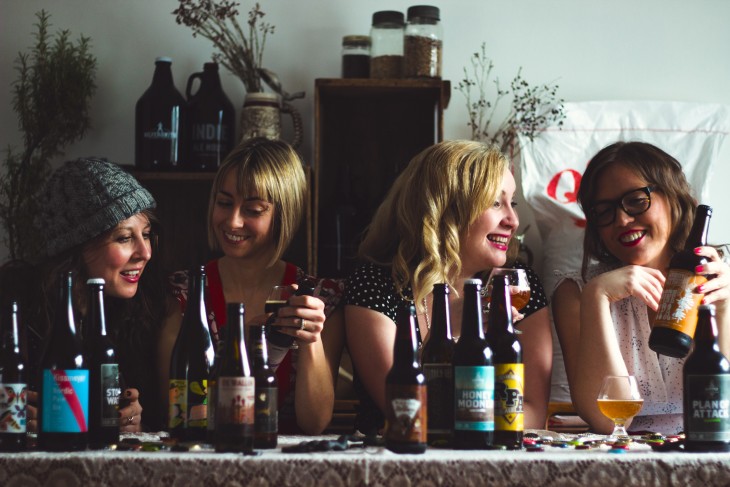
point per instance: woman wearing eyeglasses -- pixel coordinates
(639, 210)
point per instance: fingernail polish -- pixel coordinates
(698, 250)
(701, 289)
(699, 269)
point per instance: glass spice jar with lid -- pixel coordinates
(356, 56)
(423, 43)
(386, 44)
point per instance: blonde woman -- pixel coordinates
(448, 217)
(256, 204)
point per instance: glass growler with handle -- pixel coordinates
(234, 429)
(192, 357)
(436, 357)
(473, 377)
(406, 413)
(104, 390)
(13, 383)
(63, 413)
(706, 377)
(675, 321)
(509, 372)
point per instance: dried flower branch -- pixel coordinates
(533, 107)
(242, 54)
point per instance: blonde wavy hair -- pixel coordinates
(273, 171)
(418, 228)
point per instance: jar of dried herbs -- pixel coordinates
(423, 45)
(356, 57)
(386, 44)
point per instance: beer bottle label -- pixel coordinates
(188, 404)
(440, 383)
(474, 398)
(267, 415)
(236, 400)
(509, 386)
(679, 303)
(13, 403)
(65, 401)
(708, 414)
(406, 415)
(111, 392)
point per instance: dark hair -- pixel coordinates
(658, 169)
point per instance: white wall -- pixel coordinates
(596, 49)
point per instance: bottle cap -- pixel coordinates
(96, 280)
(163, 59)
(473, 281)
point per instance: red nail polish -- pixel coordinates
(700, 289)
(698, 250)
(699, 269)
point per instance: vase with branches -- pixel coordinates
(240, 50)
(532, 109)
(51, 96)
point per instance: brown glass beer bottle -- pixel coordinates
(406, 413)
(266, 412)
(436, 357)
(509, 373)
(675, 321)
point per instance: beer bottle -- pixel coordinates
(675, 321)
(234, 427)
(159, 123)
(473, 377)
(437, 354)
(63, 412)
(13, 383)
(406, 402)
(278, 343)
(212, 388)
(509, 374)
(266, 420)
(192, 357)
(212, 120)
(104, 388)
(706, 376)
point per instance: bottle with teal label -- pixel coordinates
(64, 393)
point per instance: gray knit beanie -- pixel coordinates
(84, 198)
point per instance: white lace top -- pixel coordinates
(659, 377)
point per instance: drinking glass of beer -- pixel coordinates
(619, 400)
(519, 286)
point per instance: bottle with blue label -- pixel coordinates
(473, 377)
(63, 412)
(13, 383)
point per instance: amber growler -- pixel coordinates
(104, 388)
(675, 321)
(266, 412)
(192, 357)
(406, 401)
(234, 415)
(706, 377)
(509, 373)
(212, 120)
(63, 412)
(159, 123)
(473, 377)
(436, 357)
(13, 383)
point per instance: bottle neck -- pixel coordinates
(405, 349)
(261, 352)
(471, 323)
(65, 316)
(211, 81)
(440, 318)
(500, 306)
(163, 75)
(706, 332)
(97, 316)
(15, 330)
(700, 228)
(235, 344)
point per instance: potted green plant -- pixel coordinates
(51, 97)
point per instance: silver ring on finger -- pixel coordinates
(130, 420)
(302, 325)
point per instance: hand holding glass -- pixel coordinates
(619, 400)
(519, 286)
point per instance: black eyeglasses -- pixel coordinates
(634, 202)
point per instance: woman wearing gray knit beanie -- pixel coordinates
(96, 221)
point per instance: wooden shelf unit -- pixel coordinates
(366, 131)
